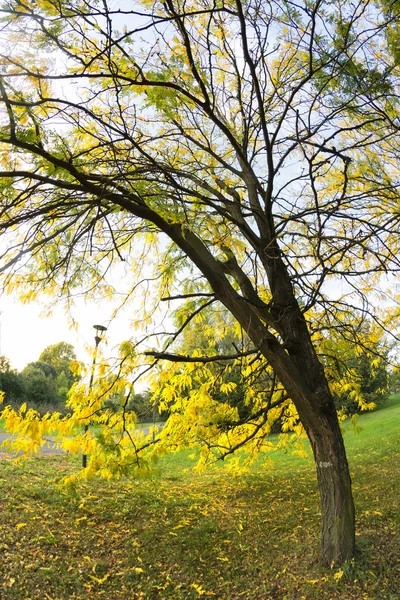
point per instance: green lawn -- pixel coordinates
(182, 535)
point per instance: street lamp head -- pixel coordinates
(100, 329)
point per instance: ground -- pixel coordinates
(180, 535)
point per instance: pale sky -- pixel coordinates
(24, 334)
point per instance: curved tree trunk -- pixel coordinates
(334, 482)
(304, 379)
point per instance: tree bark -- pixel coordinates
(318, 416)
(304, 379)
(334, 482)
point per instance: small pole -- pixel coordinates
(154, 421)
(100, 329)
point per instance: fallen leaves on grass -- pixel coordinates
(186, 535)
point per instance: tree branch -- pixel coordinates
(199, 359)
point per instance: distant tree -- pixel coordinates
(40, 388)
(356, 365)
(141, 404)
(46, 369)
(394, 379)
(63, 386)
(144, 407)
(11, 382)
(60, 356)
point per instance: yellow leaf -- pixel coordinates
(100, 579)
(138, 570)
(20, 526)
(201, 591)
(337, 576)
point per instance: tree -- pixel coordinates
(395, 379)
(356, 364)
(244, 151)
(47, 370)
(61, 357)
(48, 380)
(11, 382)
(143, 406)
(63, 386)
(40, 386)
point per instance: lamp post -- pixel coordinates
(100, 329)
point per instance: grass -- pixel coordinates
(182, 535)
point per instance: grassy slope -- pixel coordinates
(183, 535)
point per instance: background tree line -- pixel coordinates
(45, 384)
(360, 375)
(360, 379)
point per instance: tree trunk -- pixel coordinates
(304, 379)
(334, 482)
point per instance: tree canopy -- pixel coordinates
(43, 385)
(61, 357)
(11, 382)
(40, 385)
(234, 153)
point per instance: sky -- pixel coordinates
(25, 333)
